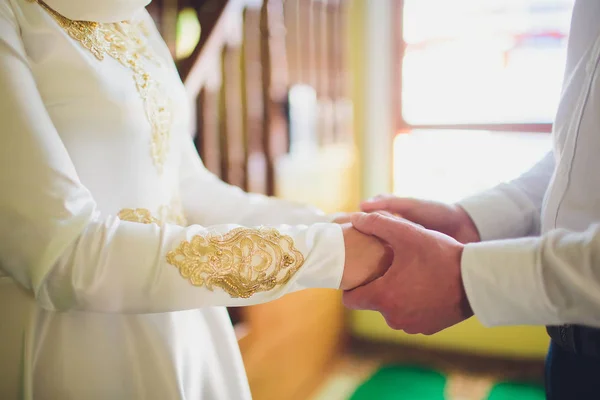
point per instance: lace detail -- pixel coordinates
(173, 213)
(141, 215)
(124, 42)
(167, 214)
(242, 262)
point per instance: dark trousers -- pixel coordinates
(570, 376)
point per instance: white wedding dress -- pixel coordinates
(118, 249)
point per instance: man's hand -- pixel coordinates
(449, 219)
(346, 218)
(367, 258)
(422, 291)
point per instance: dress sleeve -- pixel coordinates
(208, 200)
(56, 244)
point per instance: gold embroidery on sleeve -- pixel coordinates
(241, 262)
(123, 42)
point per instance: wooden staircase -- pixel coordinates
(239, 76)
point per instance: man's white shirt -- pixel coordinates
(539, 262)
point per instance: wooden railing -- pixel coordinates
(250, 53)
(240, 79)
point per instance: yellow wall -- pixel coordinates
(355, 51)
(522, 342)
(470, 336)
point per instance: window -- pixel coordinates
(480, 81)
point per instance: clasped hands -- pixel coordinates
(403, 260)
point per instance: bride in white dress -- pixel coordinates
(118, 249)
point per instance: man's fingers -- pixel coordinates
(388, 203)
(381, 202)
(343, 219)
(386, 213)
(381, 226)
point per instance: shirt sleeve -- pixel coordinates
(512, 210)
(57, 244)
(549, 280)
(208, 200)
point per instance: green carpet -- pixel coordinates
(400, 382)
(515, 390)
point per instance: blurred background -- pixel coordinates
(332, 101)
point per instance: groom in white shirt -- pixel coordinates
(526, 252)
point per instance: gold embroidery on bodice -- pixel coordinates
(126, 43)
(242, 262)
(140, 215)
(166, 214)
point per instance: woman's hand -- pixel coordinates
(367, 258)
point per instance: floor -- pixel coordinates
(469, 377)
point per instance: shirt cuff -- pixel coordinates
(504, 285)
(500, 213)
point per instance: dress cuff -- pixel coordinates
(324, 265)
(504, 284)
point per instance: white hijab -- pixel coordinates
(97, 10)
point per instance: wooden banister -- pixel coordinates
(252, 110)
(274, 85)
(222, 25)
(238, 79)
